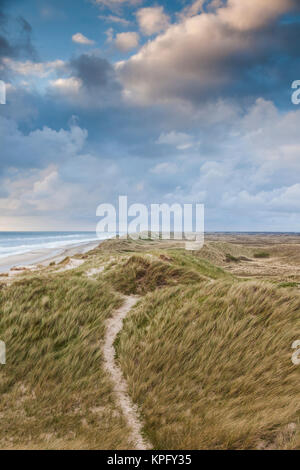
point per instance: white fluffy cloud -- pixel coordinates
(67, 86)
(152, 20)
(127, 41)
(252, 14)
(199, 54)
(29, 68)
(79, 38)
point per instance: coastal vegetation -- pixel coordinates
(206, 351)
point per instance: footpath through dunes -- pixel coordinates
(130, 411)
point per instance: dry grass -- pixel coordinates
(139, 275)
(54, 391)
(207, 356)
(211, 366)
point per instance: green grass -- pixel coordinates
(230, 258)
(262, 255)
(288, 284)
(202, 266)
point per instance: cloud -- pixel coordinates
(189, 63)
(164, 168)
(253, 14)
(114, 19)
(127, 41)
(24, 151)
(193, 9)
(37, 192)
(285, 199)
(244, 166)
(6, 49)
(47, 176)
(29, 68)
(220, 145)
(245, 169)
(180, 140)
(109, 35)
(81, 39)
(15, 36)
(89, 81)
(67, 86)
(92, 70)
(115, 5)
(49, 12)
(152, 20)
(47, 173)
(111, 3)
(15, 41)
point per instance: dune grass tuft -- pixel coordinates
(262, 255)
(139, 275)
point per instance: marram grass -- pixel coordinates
(210, 366)
(207, 356)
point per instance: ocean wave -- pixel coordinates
(3, 238)
(22, 249)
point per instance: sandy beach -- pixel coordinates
(44, 256)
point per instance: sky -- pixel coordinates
(174, 101)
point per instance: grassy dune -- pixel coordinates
(54, 393)
(210, 366)
(207, 355)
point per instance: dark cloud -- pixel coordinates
(17, 44)
(89, 82)
(93, 71)
(24, 44)
(6, 50)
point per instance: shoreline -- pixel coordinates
(45, 256)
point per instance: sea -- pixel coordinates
(18, 243)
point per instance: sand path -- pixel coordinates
(113, 326)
